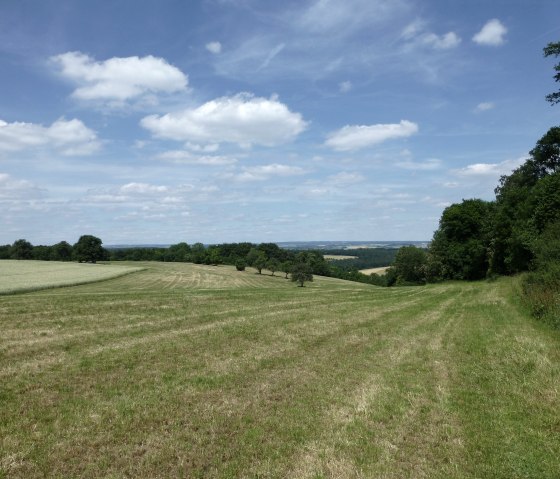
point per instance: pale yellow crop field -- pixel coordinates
(380, 270)
(27, 275)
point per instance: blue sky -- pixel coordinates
(245, 120)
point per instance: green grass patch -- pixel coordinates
(197, 371)
(25, 276)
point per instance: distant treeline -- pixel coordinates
(364, 258)
(267, 256)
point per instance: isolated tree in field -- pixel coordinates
(88, 249)
(252, 256)
(302, 272)
(260, 262)
(273, 265)
(553, 49)
(21, 249)
(240, 264)
(286, 267)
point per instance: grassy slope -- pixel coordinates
(193, 371)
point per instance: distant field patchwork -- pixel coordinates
(17, 276)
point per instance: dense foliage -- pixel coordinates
(364, 257)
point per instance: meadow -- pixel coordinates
(182, 370)
(21, 276)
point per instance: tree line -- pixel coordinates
(88, 249)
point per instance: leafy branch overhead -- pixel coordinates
(553, 49)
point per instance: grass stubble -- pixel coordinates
(192, 371)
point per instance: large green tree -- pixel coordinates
(302, 272)
(410, 265)
(461, 242)
(525, 202)
(88, 249)
(21, 249)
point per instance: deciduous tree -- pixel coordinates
(302, 272)
(88, 249)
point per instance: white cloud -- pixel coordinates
(214, 47)
(12, 189)
(69, 137)
(413, 29)
(328, 16)
(142, 188)
(211, 148)
(427, 165)
(345, 178)
(415, 33)
(492, 33)
(484, 106)
(116, 80)
(182, 157)
(353, 137)
(441, 42)
(264, 172)
(490, 169)
(243, 119)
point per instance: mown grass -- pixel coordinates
(194, 371)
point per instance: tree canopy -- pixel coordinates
(553, 49)
(88, 249)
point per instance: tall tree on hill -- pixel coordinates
(88, 249)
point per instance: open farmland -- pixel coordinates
(182, 370)
(20, 276)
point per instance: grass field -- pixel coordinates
(21, 276)
(192, 371)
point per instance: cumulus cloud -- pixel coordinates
(142, 188)
(484, 106)
(490, 169)
(116, 80)
(492, 34)
(214, 47)
(69, 137)
(243, 119)
(354, 137)
(182, 157)
(264, 172)
(416, 34)
(441, 42)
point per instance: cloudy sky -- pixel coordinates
(256, 120)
